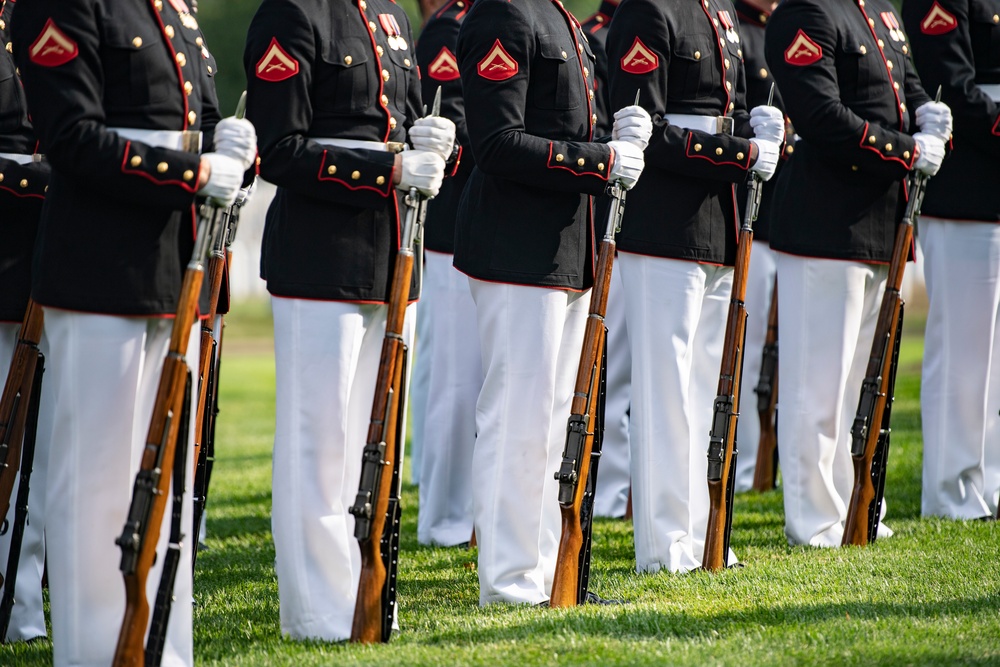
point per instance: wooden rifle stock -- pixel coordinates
(376, 507)
(766, 469)
(14, 402)
(722, 449)
(151, 489)
(870, 431)
(584, 431)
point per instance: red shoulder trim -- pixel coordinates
(498, 65)
(276, 64)
(53, 47)
(803, 50)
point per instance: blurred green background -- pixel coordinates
(225, 24)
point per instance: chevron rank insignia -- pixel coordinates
(53, 47)
(803, 50)
(938, 21)
(276, 65)
(444, 67)
(498, 65)
(639, 59)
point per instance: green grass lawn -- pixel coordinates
(929, 595)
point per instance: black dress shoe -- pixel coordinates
(594, 598)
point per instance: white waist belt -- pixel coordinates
(171, 139)
(991, 89)
(390, 146)
(20, 158)
(710, 124)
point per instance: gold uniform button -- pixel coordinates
(906, 155)
(727, 63)
(790, 149)
(881, 44)
(718, 151)
(371, 26)
(586, 72)
(380, 180)
(559, 157)
(732, 105)
(599, 18)
(729, 85)
(363, 4)
(739, 156)
(564, 55)
(996, 18)
(159, 5)
(600, 166)
(192, 117)
(871, 22)
(162, 167)
(332, 169)
(591, 93)
(169, 31)
(763, 73)
(888, 63)
(257, 161)
(888, 147)
(209, 69)
(24, 182)
(348, 60)
(1, 177)
(380, 51)
(861, 3)
(854, 167)
(739, 52)
(697, 148)
(181, 59)
(188, 175)
(906, 49)
(385, 75)
(406, 61)
(895, 85)
(580, 162)
(872, 139)
(392, 123)
(199, 41)
(593, 119)
(864, 49)
(385, 100)
(10, 47)
(902, 107)
(188, 87)
(135, 161)
(579, 47)
(137, 42)
(355, 175)
(697, 55)
(460, 4)
(3, 24)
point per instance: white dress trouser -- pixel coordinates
(760, 286)
(676, 313)
(27, 620)
(960, 392)
(326, 357)
(531, 340)
(419, 382)
(456, 376)
(104, 372)
(827, 311)
(613, 478)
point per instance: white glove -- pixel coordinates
(433, 133)
(931, 153)
(246, 193)
(634, 125)
(935, 118)
(768, 123)
(236, 138)
(224, 179)
(423, 170)
(768, 153)
(628, 163)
